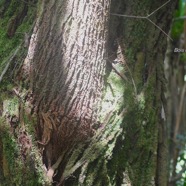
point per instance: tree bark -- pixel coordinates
(96, 88)
(67, 77)
(176, 105)
(67, 74)
(144, 52)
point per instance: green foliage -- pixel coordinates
(177, 28)
(178, 24)
(181, 141)
(183, 58)
(180, 166)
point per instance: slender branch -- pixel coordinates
(158, 9)
(129, 16)
(159, 28)
(121, 76)
(147, 18)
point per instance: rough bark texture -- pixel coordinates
(145, 47)
(68, 70)
(146, 57)
(98, 122)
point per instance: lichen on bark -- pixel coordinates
(96, 115)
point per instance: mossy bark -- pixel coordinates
(20, 162)
(95, 89)
(145, 50)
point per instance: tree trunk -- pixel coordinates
(96, 86)
(145, 49)
(68, 70)
(175, 94)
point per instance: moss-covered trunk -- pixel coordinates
(145, 47)
(94, 92)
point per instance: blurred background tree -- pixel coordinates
(175, 70)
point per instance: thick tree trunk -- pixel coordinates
(96, 87)
(75, 71)
(67, 75)
(144, 49)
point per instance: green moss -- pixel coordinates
(113, 94)
(10, 148)
(141, 120)
(141, 136)
(22, 171)
(8, 44)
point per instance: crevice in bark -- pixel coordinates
(66, 111)
(16, 20)
(69, 52)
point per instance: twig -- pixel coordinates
(160, 29)
(130, 16)
(121, 76)
(147, 18)
(158, 9)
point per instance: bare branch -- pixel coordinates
(130, 16)
(147, 17)
(116, 71)
(157, 9)
(159, 28)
